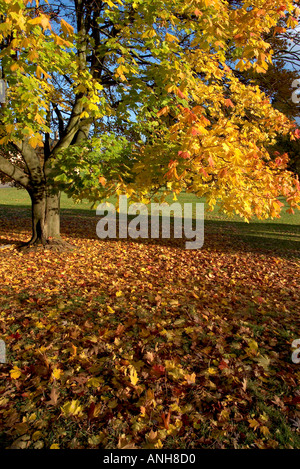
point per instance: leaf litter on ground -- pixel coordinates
(144, 344)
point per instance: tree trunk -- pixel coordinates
(38, 201)
(52, 216)
(45, 216)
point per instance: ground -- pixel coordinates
(143, 344)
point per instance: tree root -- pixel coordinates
(52, 244)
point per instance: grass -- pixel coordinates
(18, 197)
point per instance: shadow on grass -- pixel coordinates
(276, 237)
(273, 238)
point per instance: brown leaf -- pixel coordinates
(54, 395)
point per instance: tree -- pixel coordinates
(131, 96)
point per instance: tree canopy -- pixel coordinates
(143, 98)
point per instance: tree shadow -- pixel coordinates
(231, 236)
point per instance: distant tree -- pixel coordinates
(278, 80)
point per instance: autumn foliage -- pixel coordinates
(142, 97)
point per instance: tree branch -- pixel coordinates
(14, 172)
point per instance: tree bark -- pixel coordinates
(52, 216)
(38, 202)
(45, 216)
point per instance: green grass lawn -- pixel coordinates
(278, 234)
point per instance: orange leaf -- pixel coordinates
(166, 419)
(211, 161)
(228, 103)
(180, 94)
(184, 154)
(163, 111)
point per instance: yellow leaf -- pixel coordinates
(291, 22)
(171, 38)
(158, 445)
(149, 33)
(61, 42)
(36, 436)
(253, 345)
(253, 423)
(14, 67)
(40, 72)
(66, 27)
(133, 375)
(112, 404)
(32, 417)
(33, 55)
(95, 440)
(120, 72)
(93, 338)
(9, 128)
(84, 114)
(171, 88)
(35, 142)
(98, 86)
(56, 373)
(71, 408)
(110, 3)
(110, 310)
(94, 382)
(39, 325)
(264, 430)
(4, 140)
(54, 446)
(39, 119)
(42, 20)
(15, 373)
